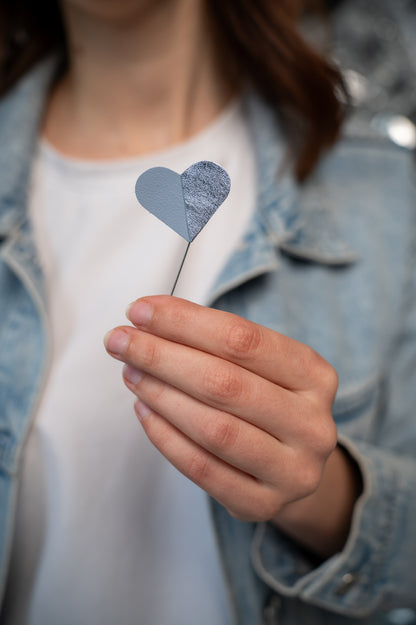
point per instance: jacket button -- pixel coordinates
(348, 581)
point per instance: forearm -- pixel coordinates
(321, 521)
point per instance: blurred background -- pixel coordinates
(374, 42)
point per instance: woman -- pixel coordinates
(310, 280)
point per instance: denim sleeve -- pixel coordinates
(376, 569)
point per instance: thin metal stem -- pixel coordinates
(180, 268)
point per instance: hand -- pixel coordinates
(239, 409)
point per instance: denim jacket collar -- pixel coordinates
(20, 116)
(298, 218)
(294, 219)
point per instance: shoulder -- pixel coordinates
(362, 166)
(366, 174)
(362, 152)
(366, 187)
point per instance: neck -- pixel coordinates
(137, 82)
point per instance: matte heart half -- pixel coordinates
(184, 202)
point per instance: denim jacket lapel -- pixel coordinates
(20, 116)
(297, 220)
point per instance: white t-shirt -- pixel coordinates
(107, 531)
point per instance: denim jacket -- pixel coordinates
(330, 263)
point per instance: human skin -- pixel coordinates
(239, 409)
(242, 411)
(143, 75)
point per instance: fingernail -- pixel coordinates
(142, 409)
(116, 341)
(131, 374)
(140, 313)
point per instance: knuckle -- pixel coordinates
(153, 391)
(307, 361)
(149, 355)
(242, 339)
(181, 317)
(325, 373)
(328, 437)
(309, 477)
(310, 358)
(328, 377)
(221, 384)
(198, 469)
(321, 434)
(222, 434)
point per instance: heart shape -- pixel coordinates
(184, 202)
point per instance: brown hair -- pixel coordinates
(261, 38)
(286, 71)
(29, 31)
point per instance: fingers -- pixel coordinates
(247, 471)
(269, 354)
(243, 496)
(239, 444)
(239, 409)
(214, 382)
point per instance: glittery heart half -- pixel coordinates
(184, 202)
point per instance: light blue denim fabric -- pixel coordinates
(331, 264)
